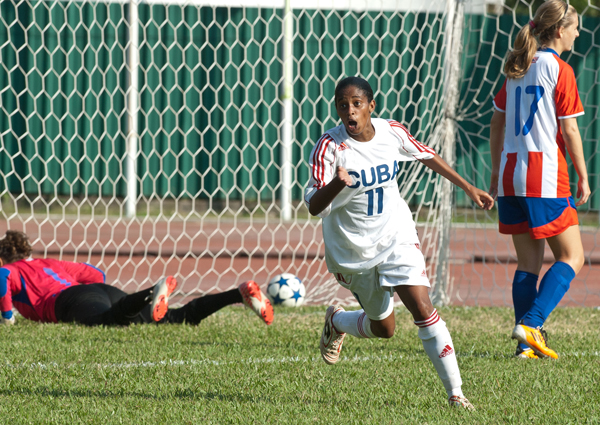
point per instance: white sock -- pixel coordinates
(440, 349)
(356, 323)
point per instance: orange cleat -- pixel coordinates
(527, 353)
(160, 297)
(256, 301)
(535, 339)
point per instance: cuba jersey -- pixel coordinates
(32, 285)
(367, 219)
(533, 162)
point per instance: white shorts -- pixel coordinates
(374, 288)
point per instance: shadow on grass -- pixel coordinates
(181, 394)
(185, 394)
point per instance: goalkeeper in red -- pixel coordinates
(50, 291)
(371, 242)
(533, 127)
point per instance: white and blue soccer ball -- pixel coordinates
(286, 290)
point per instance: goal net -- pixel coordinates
(171, 137)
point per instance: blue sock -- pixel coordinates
(553, 287)
(524, 291)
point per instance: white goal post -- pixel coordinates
(171, 137)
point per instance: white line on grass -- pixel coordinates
(250, 360)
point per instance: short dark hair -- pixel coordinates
(357, 82)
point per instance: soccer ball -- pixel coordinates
(286, 290)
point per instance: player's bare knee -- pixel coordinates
(387, 335)
(383, 330)
(530, 266)
(577, 262)
(422, 310)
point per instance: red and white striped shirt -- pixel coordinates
(366, 219)
(533, 161)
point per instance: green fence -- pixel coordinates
(210, 82)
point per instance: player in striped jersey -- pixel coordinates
(371, 242)
(47, 290)
(533, 126)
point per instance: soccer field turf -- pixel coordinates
(234, 369)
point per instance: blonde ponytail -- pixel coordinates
(519, 59)
(548, 18)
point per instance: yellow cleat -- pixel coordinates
(528, 353)
(534, 339)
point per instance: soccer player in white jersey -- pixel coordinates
(533, 126)
(371, 242)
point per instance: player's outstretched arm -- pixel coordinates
(480, 197)
(496, 146)
(6, 306)
(325, 196)
(572, 138)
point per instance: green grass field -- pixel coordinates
(233, 369)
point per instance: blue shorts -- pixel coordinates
(541, 217)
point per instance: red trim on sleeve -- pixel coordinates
(500, 98)
(318, 169)
(566, 95)
(420, 146)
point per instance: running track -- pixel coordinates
(211, 256)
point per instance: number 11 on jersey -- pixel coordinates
(371, 198)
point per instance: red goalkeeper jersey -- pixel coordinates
(32, 286)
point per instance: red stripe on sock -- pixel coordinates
(361, 319)
(431, 320)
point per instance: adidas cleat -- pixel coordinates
(255, 300)
(527, 353)
(331, 339)
(460, 401)
(160, 297)
(534, 338)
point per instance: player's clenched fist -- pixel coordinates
(343, 175)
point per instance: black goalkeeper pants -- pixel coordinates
(101, 304)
